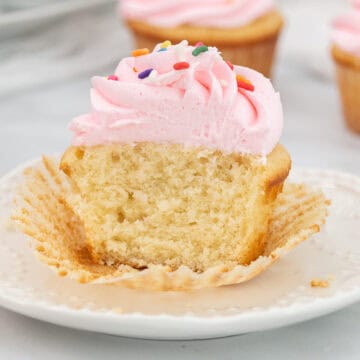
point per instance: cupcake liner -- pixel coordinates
(258, 56)
(348, 78)
(58, 239)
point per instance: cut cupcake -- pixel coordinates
(174, 179)
(346, 54)
(178, 167)
(246, 31)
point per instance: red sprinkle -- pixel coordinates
(231, 66)
(113, 77)
(243, 83)
(181, 65)
(199, 43)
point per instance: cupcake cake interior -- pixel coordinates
(166, 204)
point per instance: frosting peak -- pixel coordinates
(213, 13)
(346, 30)
(183, 94)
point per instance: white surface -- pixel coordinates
(280, 296)
(34, 122)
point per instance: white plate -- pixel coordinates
(279, 297)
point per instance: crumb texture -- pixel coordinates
(170, 205)
(319, 283)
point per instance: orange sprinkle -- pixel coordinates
(140, 52)
(244, 83)
(135, 69)
(242, 79)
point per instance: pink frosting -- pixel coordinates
(197, 106)
(212, 13)
(346, 30)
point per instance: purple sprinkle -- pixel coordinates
(144, 74)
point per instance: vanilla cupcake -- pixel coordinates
(174, 180)
(346, 54)
(178, 163)
(245, 31)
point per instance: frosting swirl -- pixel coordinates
(346, 30)
(212, 13)
(174, 96)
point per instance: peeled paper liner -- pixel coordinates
(41, 212)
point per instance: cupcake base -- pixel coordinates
(348, 78)
(42, 213)
(168, 204)
(253, 45)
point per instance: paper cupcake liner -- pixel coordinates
(258, 56)
(58, 239)
(348, 78)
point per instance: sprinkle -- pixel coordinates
(153, 74)
(140, 52)
(162, 49)
(166, 44)
(135, 69)
(181, 65)
(199, 50)
(144, 74)
(243, 83)
(199, 44)
(231, 66)
(183, 43)
(113, 77)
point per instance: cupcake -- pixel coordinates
(178, 164)
(173, 181)
(245, 31)
(346, 54)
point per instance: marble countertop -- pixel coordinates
(34, 122)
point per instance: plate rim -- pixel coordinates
(128, 325)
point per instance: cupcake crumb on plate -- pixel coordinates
(319, 283)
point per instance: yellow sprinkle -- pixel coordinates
(165, 44)
(140, 52)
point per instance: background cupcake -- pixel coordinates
(346, 53)
(246, 31)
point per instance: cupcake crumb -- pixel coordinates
(319, 283)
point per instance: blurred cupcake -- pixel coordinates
(246, 31)
(346, 53)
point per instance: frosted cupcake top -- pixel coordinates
(346, 30)
(208, 13)
(186, 95)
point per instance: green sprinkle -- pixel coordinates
(200, 49)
